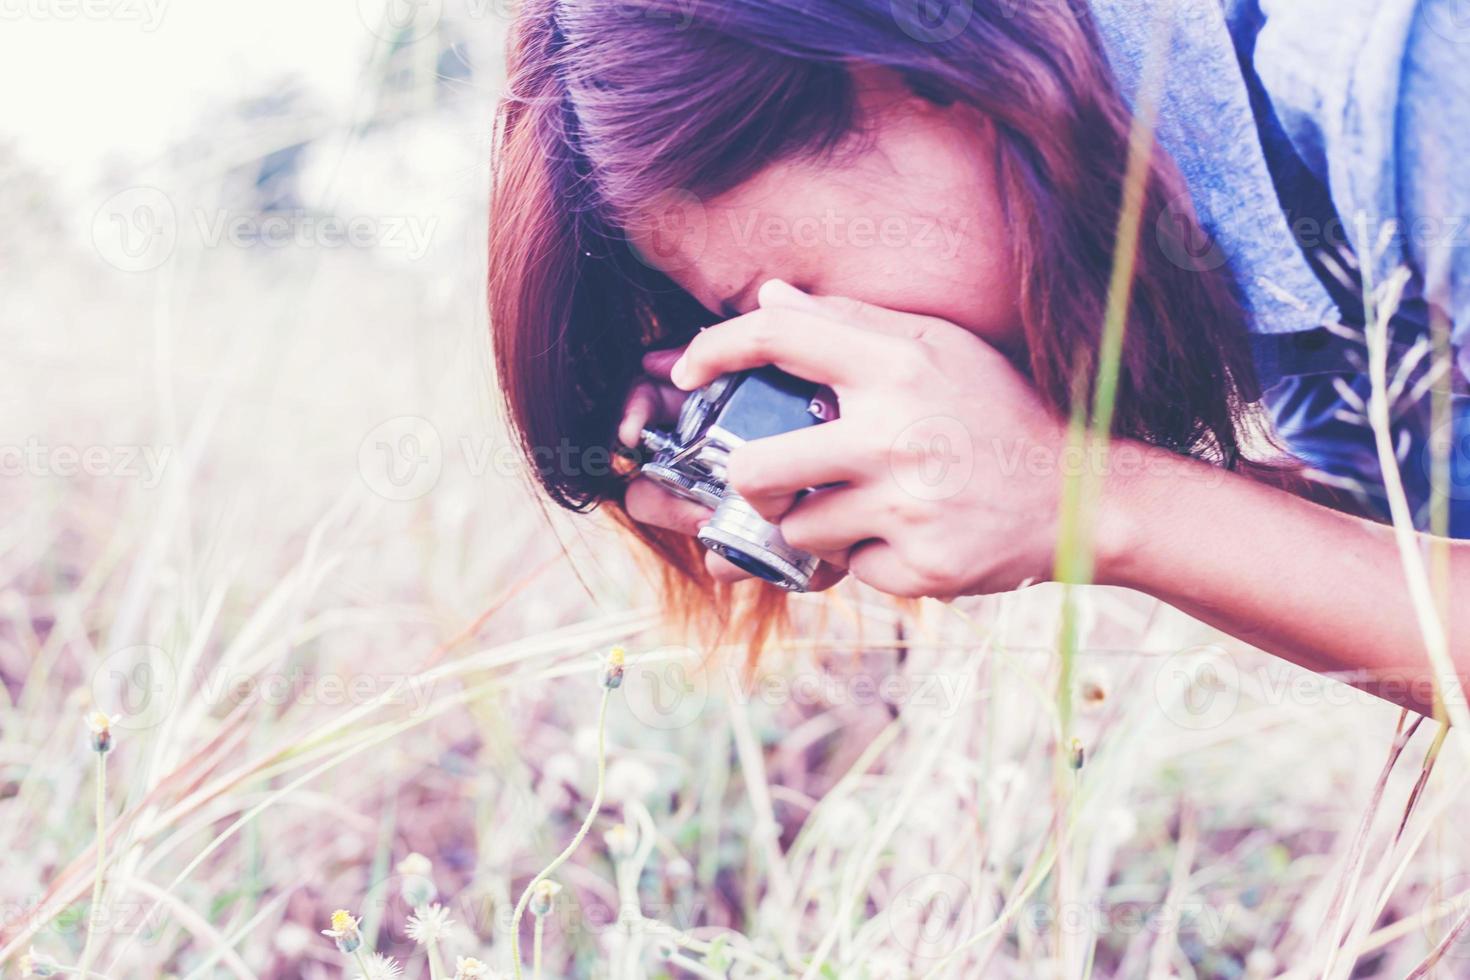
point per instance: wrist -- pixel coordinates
(1132, 501)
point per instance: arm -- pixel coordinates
(943, 473)
(1323, 589)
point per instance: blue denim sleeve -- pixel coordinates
(1433, 145)
(1394, 146)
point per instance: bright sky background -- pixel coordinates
(79, 89)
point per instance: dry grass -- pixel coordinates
(311, 681)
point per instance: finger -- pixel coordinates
(648, 503)
(799, 342)
(830, 521)
(650, 401)
(658, 362)
(777, 293)
(878, 564)
(769, 472)
(638, 411)
(826, 576)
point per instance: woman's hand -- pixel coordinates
(655, 400)
(945, 460)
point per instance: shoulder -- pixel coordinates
(1375, 98)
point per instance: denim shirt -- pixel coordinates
(1303, 128)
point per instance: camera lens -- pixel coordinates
(748, 564)
(742, 537)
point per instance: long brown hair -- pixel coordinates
(611, 105)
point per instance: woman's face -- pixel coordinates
(910, 219)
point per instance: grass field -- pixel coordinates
(260, 510)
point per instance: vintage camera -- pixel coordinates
(690, 462)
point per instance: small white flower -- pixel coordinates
(622, 841)
(381, 967)
(344, 931)
(34, 964)
(417, 887)
(469, 968)
(429, 924)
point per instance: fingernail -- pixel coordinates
(677, 374)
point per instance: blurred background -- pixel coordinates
(260, 510)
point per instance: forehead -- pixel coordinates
(793, 220)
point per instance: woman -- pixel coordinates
(921, 212)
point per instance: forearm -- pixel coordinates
(1323, 589)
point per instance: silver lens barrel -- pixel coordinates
(742, 537)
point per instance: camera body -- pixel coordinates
(690, 462)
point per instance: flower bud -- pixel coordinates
(101, 728)
(543, 897)
(612, 668)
